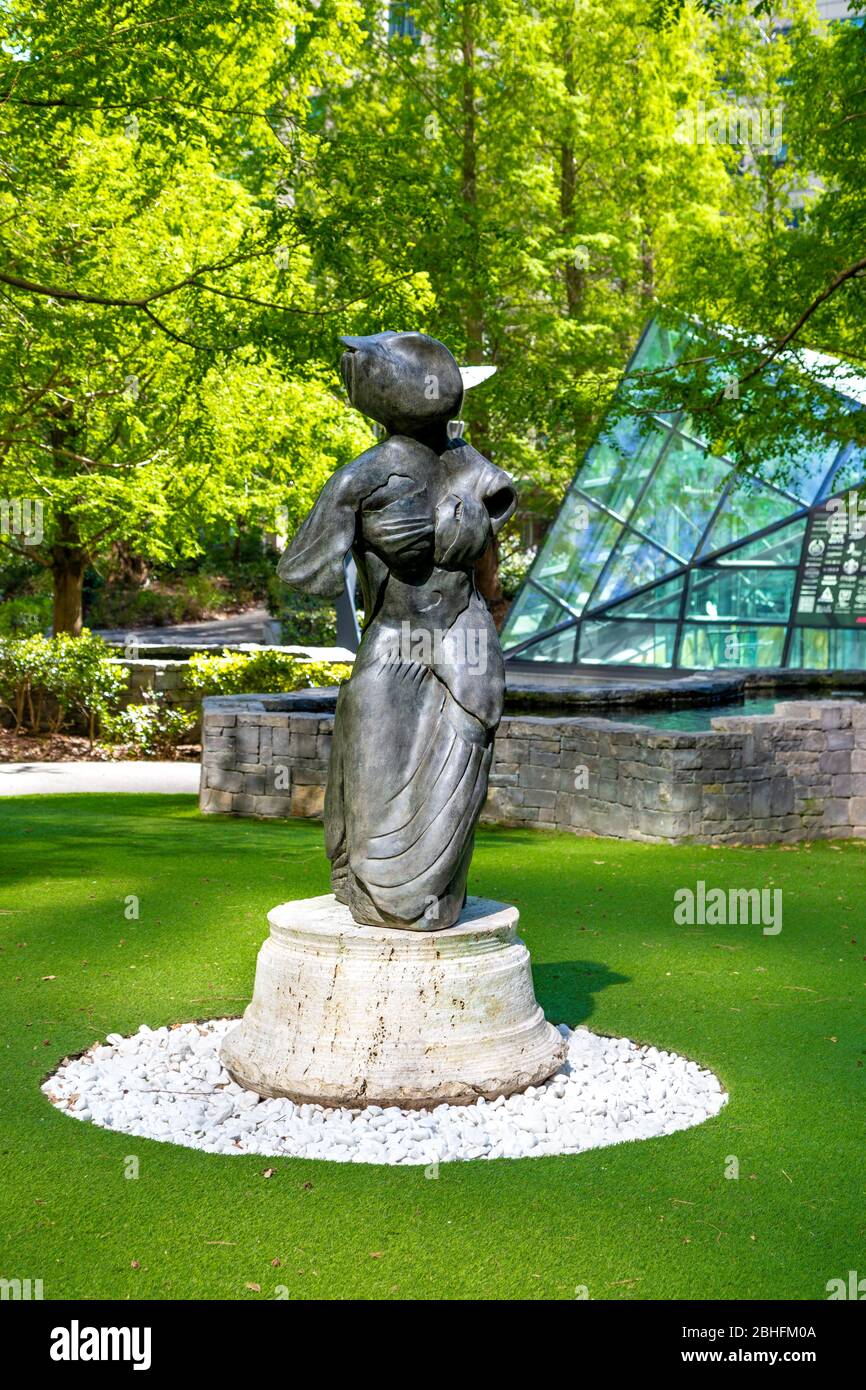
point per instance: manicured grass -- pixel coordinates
(779, 1018)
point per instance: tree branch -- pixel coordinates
(177, 337)
(121, 301)
(31, 552)
(851, 272)
(141, 303)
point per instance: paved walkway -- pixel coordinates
(238, 627)
(27, 779)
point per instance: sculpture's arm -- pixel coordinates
(313, 562)
(492, 486)
(499, 497)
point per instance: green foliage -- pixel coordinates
(152, 729)
(783, 246)
(304, 617)
(165, 351)
(665, 13)
(44, 680)
(560, 195)
(27, 613)
(192, 209)
(246, 580)
(267, 671)
(190, 598)
(514, 566)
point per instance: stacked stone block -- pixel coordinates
(798, 774)
(163, 677)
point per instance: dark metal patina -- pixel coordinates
(414, 728)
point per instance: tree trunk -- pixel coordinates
(575, 268)
(68, 563)
(68, 559)
(127, 566)
(487, 568)
(647, 265)
(68, 571)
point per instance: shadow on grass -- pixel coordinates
(65, 836)
(565, 988)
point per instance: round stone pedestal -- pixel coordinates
(349, 1015)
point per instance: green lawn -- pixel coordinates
(780, 1019)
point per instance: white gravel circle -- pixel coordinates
(169, 1084)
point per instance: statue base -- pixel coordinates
(349, 1015)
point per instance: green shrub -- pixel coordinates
(44, 680)
(305, 619)
(265, 672)
(28, 613)
(118, 606)
(152, 729)
(191, 598)
(21, 574)
(200, 595)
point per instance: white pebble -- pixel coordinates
(169, 1085)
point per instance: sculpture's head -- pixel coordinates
(407, 382)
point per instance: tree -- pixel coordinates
(782, 266)
(539, 196)
(153, 269)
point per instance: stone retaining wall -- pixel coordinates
(163, 677)
(798, 774)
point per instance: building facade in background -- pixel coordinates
(663, 556)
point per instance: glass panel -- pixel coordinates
(661, 345)
(741, 593)
(851, 471)
(706, 647)
(635, 562)
(530, 613)
(559, 647)
(779, 548)
(574, 551)
(682, 496)
(617, 466)
(628, 644)
(662, 601)
(828, 649)
(625, 433)
(801, 469)
(748, 507)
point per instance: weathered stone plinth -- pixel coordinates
(355, 1015)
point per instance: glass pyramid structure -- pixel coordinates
(662, 556)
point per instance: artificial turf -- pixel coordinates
(779, 1018)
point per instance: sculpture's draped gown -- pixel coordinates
(414, 728)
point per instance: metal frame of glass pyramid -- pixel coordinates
(661, 556)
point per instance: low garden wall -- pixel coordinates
(797, 774)
(162, 677)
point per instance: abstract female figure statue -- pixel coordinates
(414, 728)
(346, 1010)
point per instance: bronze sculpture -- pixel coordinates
(414, 727)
